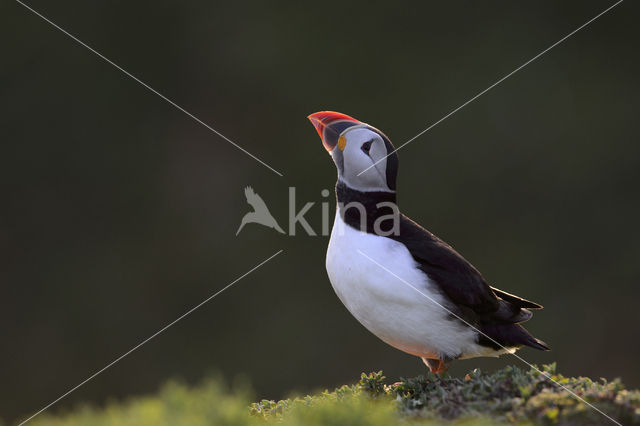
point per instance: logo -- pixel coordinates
(262, 216)
(260, 213)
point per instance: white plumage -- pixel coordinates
(387, 306)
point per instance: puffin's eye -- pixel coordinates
(366, 147)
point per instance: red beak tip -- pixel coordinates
(324, 119)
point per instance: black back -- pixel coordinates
(494, 312)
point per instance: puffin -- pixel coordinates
(401, 282)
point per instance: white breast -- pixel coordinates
(387, 306)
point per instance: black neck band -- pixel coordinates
(379, 208)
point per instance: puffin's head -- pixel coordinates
(355, 147)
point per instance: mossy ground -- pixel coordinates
(510, 395)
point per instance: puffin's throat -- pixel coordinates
(374, 212)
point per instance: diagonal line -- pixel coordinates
(149, 338)
(546, 375)
(496, 83)
(149, 87)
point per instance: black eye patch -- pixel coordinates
(366, 147)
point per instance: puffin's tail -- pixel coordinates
(509, 335)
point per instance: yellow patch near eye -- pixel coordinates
(342, 142)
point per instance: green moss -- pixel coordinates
(510, 395)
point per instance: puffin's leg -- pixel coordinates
(445, 364)
(436, 365)
(433, 364)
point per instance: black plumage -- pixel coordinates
(495, 313)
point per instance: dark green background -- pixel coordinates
(119, 212)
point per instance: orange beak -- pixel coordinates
(329, 125)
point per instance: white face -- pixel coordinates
(363, 148)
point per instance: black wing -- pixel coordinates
(495, 312)
(455, 276)
(524, 303)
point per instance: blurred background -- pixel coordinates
(119, 212)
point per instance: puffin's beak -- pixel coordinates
(329, 125)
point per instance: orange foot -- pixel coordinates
(437, 366)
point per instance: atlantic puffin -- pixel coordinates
(375, 251)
